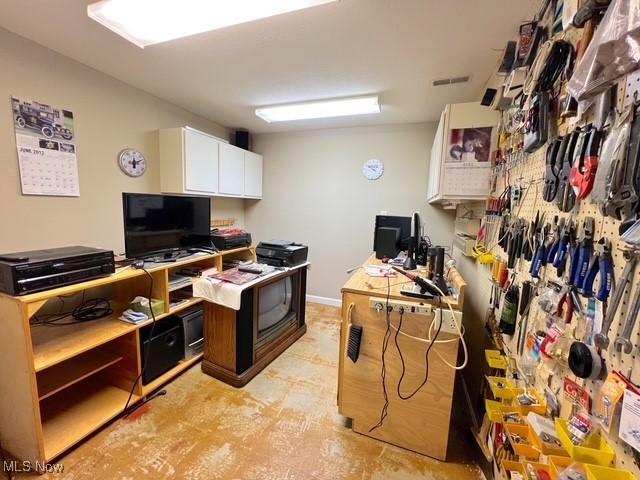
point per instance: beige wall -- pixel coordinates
(315, 193)
(109, 115)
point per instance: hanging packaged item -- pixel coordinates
(607, 400)
(537, 123)
(510, 311)
(613, 52)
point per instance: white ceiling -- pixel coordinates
(395, 48)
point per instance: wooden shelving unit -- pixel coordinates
(62, 383)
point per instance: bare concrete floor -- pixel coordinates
(283, 425)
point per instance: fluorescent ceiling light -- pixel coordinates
(145, 22)
(341, 107)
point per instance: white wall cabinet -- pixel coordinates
(196, 163)
(252, 175)
(231, 170)
(460, 165)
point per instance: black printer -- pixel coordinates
(281, 253)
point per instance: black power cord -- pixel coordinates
(426, 357)
(383, 374)
(87, 310)
(127, 410)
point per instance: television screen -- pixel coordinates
(157, 223)
(275, 302)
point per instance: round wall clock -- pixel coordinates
(373, 169)
(132, 162)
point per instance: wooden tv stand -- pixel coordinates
(59, 384)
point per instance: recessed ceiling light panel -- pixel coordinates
(340, 107)
(145, 22)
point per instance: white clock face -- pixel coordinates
(373, 169)
(132, 162)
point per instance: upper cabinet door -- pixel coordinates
(231, 170)
(201, 162)
(252, 175)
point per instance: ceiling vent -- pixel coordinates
(451, 81)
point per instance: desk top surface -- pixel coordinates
(361, 283)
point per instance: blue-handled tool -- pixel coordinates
(573, 272)
(585, 250)
(602, 263)
(566, 236)
(540, 257)
(552, 248)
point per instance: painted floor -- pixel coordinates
(283, 425)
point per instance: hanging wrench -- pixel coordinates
(602, 339)
(623, 343)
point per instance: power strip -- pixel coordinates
(409, 307)
(449, 321)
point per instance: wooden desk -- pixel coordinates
(61, 383)
(421, 423)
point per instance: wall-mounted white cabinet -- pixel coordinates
(252, 175)
(195, 163)
(460, 165)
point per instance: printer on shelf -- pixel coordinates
(282, 253)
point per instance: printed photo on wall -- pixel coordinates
(45, 141)
(469, 145)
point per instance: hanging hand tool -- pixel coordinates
(540, 257)
(565, 306)
(528, 292)
(566, 198)
(585, 250)
(509, 311)
(566, 237)
(633, 156)
(623, 342)
(583, 172)
(601, 263)
(550, 188)
(623, 195)
(531, 239)
(554, 243)
(601, 339)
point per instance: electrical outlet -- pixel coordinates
(409, 307)
(449, 321)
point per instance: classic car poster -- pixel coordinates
(46, 149)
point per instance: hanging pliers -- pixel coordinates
(601, 263)
(552, 248)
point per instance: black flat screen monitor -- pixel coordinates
(161, 223)
(402, 223)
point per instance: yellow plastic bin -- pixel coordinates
(503, 388)
(545, 448)
(526, 450)
(557, 464)
(497, 410)
(596, 450)
(540, 407)
(495, 359)
(595, 472)
(538, 466)
(511, 466)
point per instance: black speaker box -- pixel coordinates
(388, 242)
(243, 139)
(164, 350)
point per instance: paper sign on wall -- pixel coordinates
(46, 149)
(467, 164)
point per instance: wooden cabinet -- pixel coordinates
(231, 170)
(460, 165)
(252, 175)
(196, 163)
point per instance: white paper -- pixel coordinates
(46, 147)
(630, 419)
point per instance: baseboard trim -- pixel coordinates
(334, 302)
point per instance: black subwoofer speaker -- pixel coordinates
(243, 139)
(163, 350)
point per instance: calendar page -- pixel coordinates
(467, 166)
(46, 149)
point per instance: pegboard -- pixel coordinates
(528, 172)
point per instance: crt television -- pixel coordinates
(160, 223)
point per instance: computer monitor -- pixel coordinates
(401, 223)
